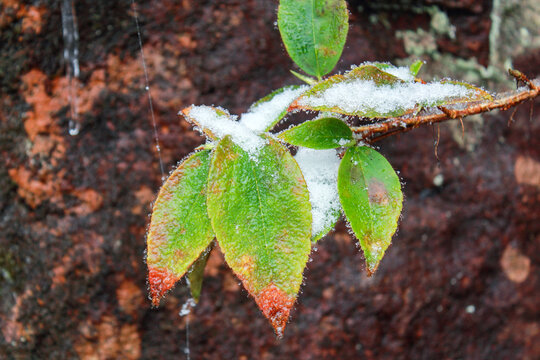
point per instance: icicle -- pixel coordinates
(185, 311)
(71, 58)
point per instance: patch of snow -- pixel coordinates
(403, 73)
(362, 96)
(223, 125)
(262, 116)
(320, 169)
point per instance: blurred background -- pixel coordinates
(461, 280)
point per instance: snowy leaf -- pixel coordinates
(205, 117)
(217, 123)
(371, 197)
(320, 169)
(196, 273)
(368, 91)
(180, 229)
(325, 133)
(475, 93)
(314, 32)
(261, 215)
(268, 111)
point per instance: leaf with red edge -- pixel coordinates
(261, 214)
(180, 229)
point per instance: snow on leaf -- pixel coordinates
(180, 229)
(268, 111)
(368, 91)
(324, 133)
(320, 169)
(261, 215)
(314, 32)
(403, 73)
(217, 123)
(371, 197)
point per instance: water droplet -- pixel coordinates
(470, 309)
(438, 180)
(73, 127)
(186, 308)
(147, 88)
(279, 332)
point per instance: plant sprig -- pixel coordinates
(266, 207)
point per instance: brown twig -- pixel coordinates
(380, 130)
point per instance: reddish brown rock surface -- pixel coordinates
(461, 279)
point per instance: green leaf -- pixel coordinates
(415, 67)
(371, 197)
(314, 32)
(325, 133)
(180, 229)
(196, 273)
(261, 215)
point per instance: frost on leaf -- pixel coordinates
(372, 92)
(276, 305)
(160, 281)
(268, 111)
(320, 169)
(371, 197)
(261, 215)
(180, 229)
(217, 123)
(320, 134)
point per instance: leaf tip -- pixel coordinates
(160, 280)
(276, 306)
(371, 267)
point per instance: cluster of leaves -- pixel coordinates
(254, 200)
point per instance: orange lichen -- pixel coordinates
(276, 306)
(32, 19)
(108, 339)
(527, 171)
(515, 265)
(130, 297)
(160, 280)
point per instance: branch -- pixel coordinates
(380, 130)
